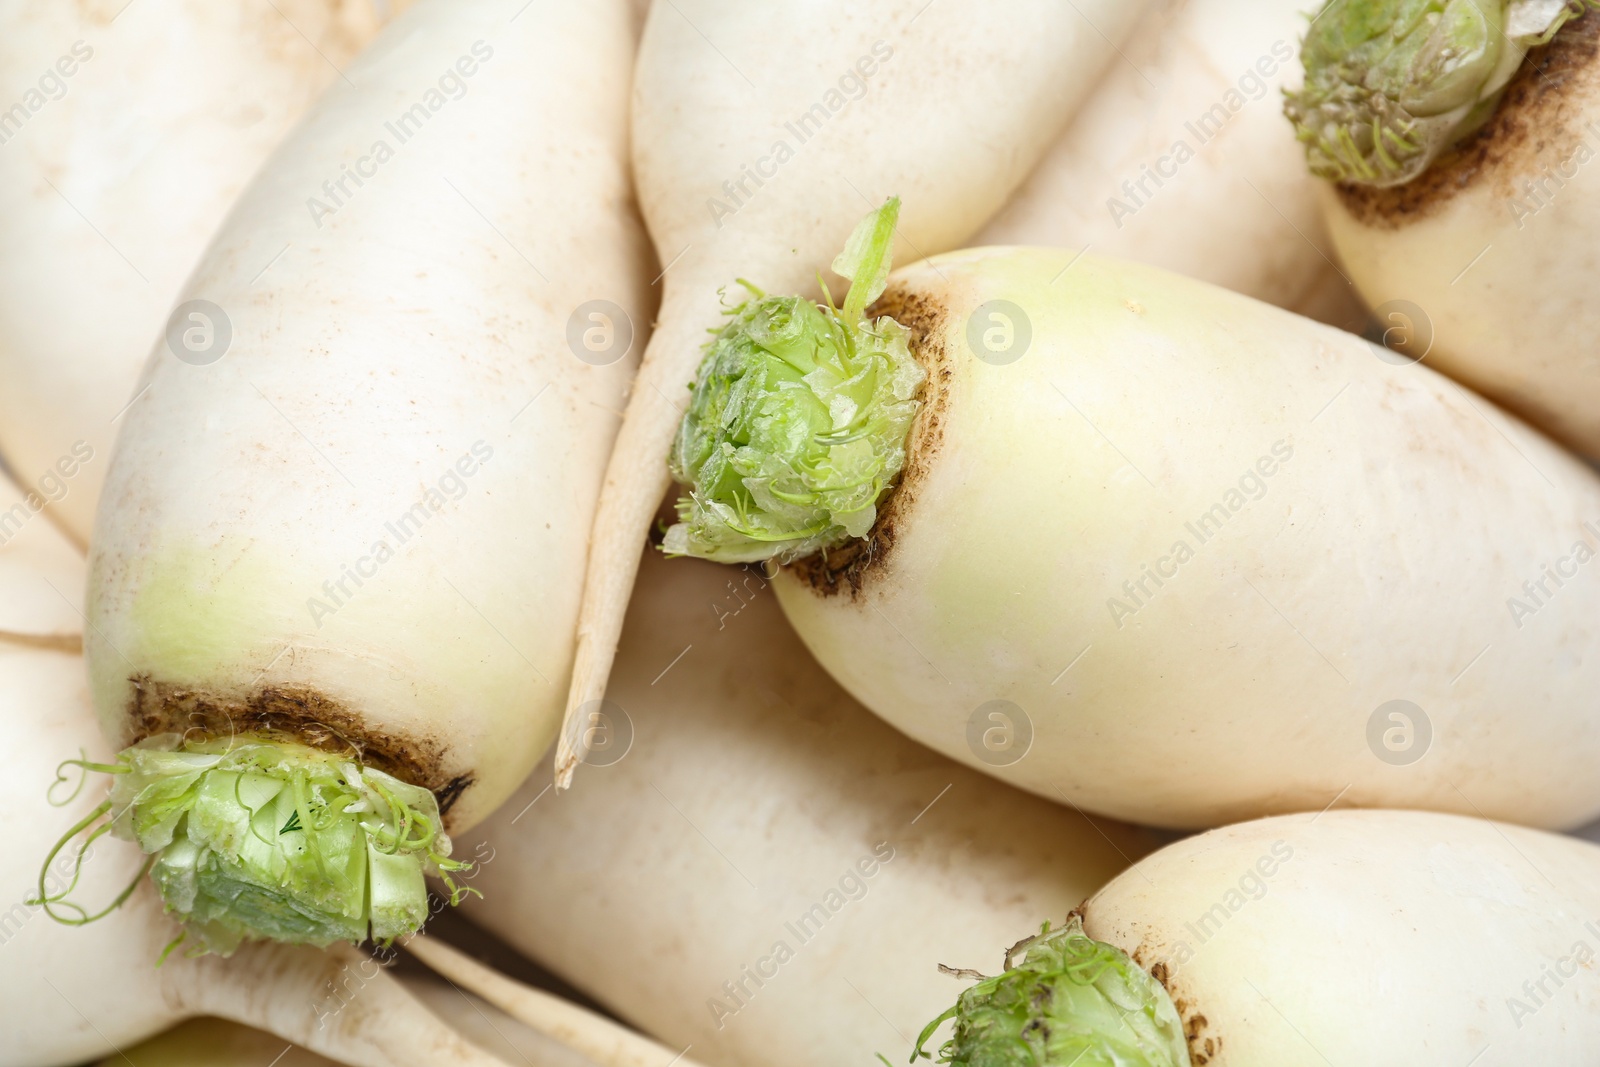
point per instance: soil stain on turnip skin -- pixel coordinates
(851, 569)
(1203, 1046)
(303, 716)
(1539, 121)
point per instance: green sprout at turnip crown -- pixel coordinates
(252, 839)
(1390, 84)
(1071, 1002)
(799, 417)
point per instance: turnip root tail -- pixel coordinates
(635, 480)
(1072, 999)
(250, 838)
(1391, 84)
(795, 431)
(600, 1040)
(339, 1003)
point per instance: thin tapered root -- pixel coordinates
(339, 1003)
(636, 480)
(638, 475)
(602, 1041)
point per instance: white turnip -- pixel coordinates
(1161, 549)
(754, 865)
(1178, 160)
(209, 1042)
(1469, 223)
(126, 134)
(1349, 937)
(41, 589)
(71, 992)
(759, 138)
(336, 570)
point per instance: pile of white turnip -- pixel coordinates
(119, 164)
(1136, 459)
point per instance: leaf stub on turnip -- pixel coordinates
(278, 812)
(1390, 85)
(1536, 123)
(798, 419)
(1070, 1000)
(852, 568)
(253, 837)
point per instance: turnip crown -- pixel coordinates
(1071, 1002)
(1390, 84)
(798, 421)
(251, 838)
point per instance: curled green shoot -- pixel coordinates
(1391, 84)
(1070, 1002)
(798, 421)
(252, 838)
(94, 826)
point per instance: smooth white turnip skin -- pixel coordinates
(957, 102)
(1499, 272)
(1385, 519)
(1178, 159)
(1370, 937)
(113, 178)
(752, 786)
(41, 583)
(209, 1042)
(401, 374)
(339, 1003)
